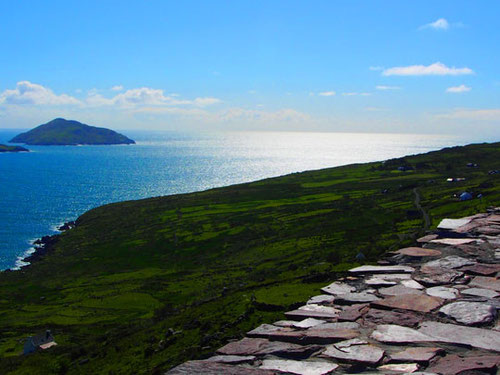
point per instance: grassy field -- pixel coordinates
(140, 286)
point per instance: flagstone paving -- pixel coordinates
(423, 310)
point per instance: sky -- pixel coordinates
(346, 66)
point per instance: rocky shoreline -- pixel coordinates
(45, 244)
(431, 309)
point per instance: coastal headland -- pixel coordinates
(142, 286)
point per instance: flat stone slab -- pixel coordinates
(322, 334)
(376, 317)
(432, 276)
(416, 354)
(361, 297)
(451, 224)
(405, 368)
(455, 241)
(394, 334)
(455, 334)
(455, 364)
(259, 347)
(323, 299)
(234, 359)
(306, 323)
(411, 284)
(387, 279)
(340, 325)
(265, 330)
(215, 368)
(365, 354)
(421, 303)
(419, 252)
(469, 313)
(398, 290)
(442, 292)
(486, 283)
(338, 288)
(427, 238)
(480, 292)
(299, 367)
(452, 261)
(382, 269)
(482, 269)
(353, 312)
(313, 311)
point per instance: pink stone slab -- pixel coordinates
(486, 283)
(419, 252)
(422, 303)
(455, 364)
(416, 354)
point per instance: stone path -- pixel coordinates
(423, 310)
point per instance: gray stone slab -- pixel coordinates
(323, 299)
(299, 367)
(382, 269)
(486, 283)
(469, 313)
(482, 269)
(422, 303)
(451, 224)
(314, 311)
(398, 290)
(234, 359)
(405, 368)
(215, 368)
(394, 334)
(309, 322)
(480, 292)
(455, 334)
(454, 364)
(351, 298)
(259, 347)
(416, 354)
(364, 354)
(452, 261)
(411, 284)
(340, 325)
(442, 292)
(338, 288)
(377, 317)
(432, 276)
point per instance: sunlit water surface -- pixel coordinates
(54, 184)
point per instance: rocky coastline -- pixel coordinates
(45, 244)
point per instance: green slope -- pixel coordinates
(68, 132)
(5, 148)
(208, 266)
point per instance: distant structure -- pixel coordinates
(42, 341)
(465, 196)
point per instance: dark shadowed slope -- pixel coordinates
(5, 148)
(70, 132)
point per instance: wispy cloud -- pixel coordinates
(376, 68)
(327, 93)
(472, 114)
(356, 94)
(458, 89)
(437, 68)
(439, 24)
(383, 87)
(117, 88)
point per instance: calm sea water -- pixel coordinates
(54, 184)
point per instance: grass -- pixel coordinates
(140, 286)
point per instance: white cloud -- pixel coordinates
(117, 88)
(376, 68)
(203, 102)
(383, 87)
(356, 94)
(439, 24)
(327, 93)
(458, 89)
(472, 114)
(422, 70)
(27, 93)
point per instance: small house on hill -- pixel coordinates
(42, 341)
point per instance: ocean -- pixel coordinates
(51, 185)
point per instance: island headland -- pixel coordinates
(143, 286)
(6, 148)
(61, 132)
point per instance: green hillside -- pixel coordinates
(68, 132)
(5, 148)
(140, 286)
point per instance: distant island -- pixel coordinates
(61, 132)
(5, 148)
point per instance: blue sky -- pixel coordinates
(363, 66)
